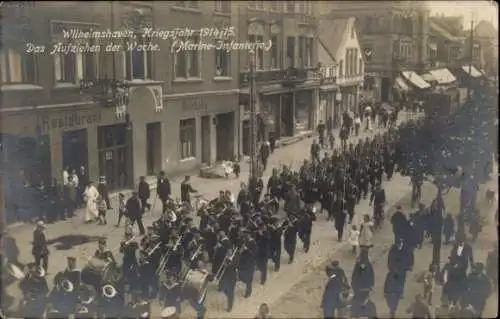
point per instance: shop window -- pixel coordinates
(187, 63)
(290, 51)
(187, 134)
(222, 61)
(16, 67)
(275, 63)
(302, 112)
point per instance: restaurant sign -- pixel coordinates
(69, 121)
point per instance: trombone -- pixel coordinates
(228, 259)
(165, 258)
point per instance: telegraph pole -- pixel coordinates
(471, 50)
(254, 167)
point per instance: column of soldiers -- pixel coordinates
(232, 240)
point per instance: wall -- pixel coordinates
(196, 107)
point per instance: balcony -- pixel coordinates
(289, 77)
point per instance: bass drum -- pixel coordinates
(195, 285)
(169, 313)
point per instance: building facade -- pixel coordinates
(342, 57)
(287, 90)
(182, 106)
(393, 36)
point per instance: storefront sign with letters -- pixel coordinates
(69, 121)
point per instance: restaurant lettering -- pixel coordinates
(69, 121)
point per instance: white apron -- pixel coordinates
(91, 194)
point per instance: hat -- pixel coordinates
(70, 258)
(102, 241)
(335, 263)
(40, 223)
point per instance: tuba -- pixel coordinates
(109, 291)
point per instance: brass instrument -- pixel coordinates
(227, 260)
(152, 250)
(196, 253)
(165, 258)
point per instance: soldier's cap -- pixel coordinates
(71, 258)
(335, 263)
(102, 241)
(150, 227)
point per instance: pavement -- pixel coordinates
(303, 300)
(74, 238)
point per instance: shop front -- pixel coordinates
(201, 129)
(89, 136)
(328, 104)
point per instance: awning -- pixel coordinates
(401, 84)
(415, 79)
(471, 70)
(428, 77)
(443, 76)
(329, 87)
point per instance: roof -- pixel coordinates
(332, 34)
(415, 79)
(484, 29)
(442, 76)
(443, 32)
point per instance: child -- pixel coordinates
(429, 283)
(236, 169)
(448, 228)
(354, 238)
(102, 207)
(121, 208)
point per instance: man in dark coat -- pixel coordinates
(144, 192)
(135, 211)
(340, 215)
(336, 284)
(400, 258)
(362, 276)
(163, 190)
(321, 132)
(186, 190)
(478, 289)
(393, 290)
(462, 253)
(362, 306)
(399, 225)
(315, 149)
(265, 151)
(40, 250)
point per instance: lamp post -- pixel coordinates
(253, 119)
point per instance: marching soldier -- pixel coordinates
(62, 299)
(262, 256)
(246, 264)
(220, 253)
(128, 248)
(337, 282)
(148, 278)
(170, 291)
(34, 288)
(275, 244)
(274, 185)
(102, 253)
(86, 302)
(110, 302)
(378, 199)
(290, 237)
(137, 307)
(40, 250)
(229, 277)
(305, 226)
(255, 187)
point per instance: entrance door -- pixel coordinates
(153, 148)
(114, 160)
(225, 136)
(74, 149)
(384, 89)
(205, 139)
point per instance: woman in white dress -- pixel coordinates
(90, 195)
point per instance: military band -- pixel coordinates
(175, 260)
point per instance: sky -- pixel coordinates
(483, 10)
